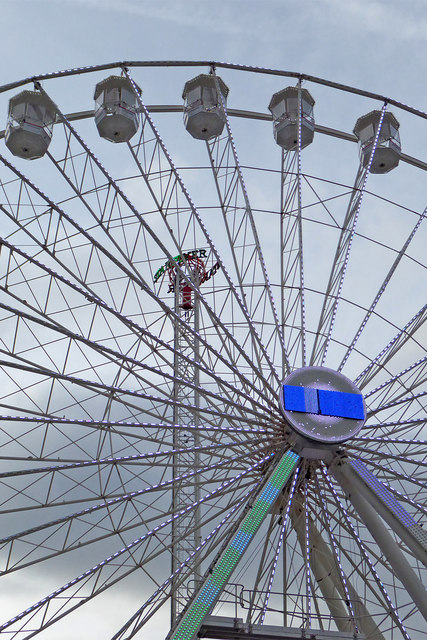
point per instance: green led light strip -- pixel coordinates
(209, 592)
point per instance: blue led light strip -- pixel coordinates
(389, 500)
(221, 572)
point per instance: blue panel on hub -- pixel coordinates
(294, 398)
(324, 402)
(302, 399)
(340, 404)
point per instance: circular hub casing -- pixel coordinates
(322, 405)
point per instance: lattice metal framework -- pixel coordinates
(139, 424)
(186, 535)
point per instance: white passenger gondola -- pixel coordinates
(30, 124)
(203, 115)
(387, 152)
(116, 109)
(284, 109)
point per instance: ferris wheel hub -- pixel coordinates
(321, 407)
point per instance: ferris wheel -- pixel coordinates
(213, 356)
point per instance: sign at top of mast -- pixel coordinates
(179, 259)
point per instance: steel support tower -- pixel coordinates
(186, 528)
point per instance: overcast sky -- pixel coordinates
(378, 45)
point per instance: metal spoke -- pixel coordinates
(140, 283)
(340, 261)
(359, 614)
(272, 568)
(92, 575)
(151, 341)
(383, 287)
(124, 509)
(175, 185)
(365, 555)
(392, 512)
(395, 388)
(291, 256)
(391, 349)
(137, 620)
(244, 243)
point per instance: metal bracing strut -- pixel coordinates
(390, 509)
(354, 487)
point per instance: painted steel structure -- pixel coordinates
(186, 528)
(140, 425)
